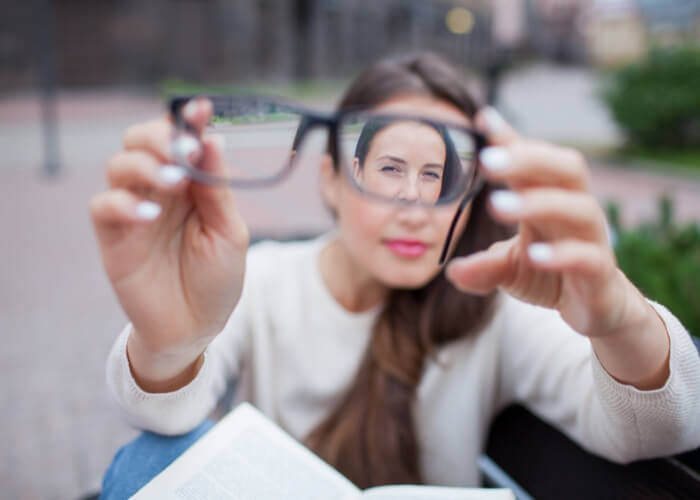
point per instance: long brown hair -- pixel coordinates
(370, 436)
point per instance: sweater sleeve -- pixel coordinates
(180, 411)
(554, 372)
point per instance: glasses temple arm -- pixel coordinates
(460, 209)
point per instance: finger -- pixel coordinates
(186, 147)
(483, 272)
(552, 212)
(216, 204)
(197, 112)
(497, 130)
(525, 163)
(586, 259)
(153, 137)
(116, 209)
(139, 170)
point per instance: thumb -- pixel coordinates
(216, 205)
(483, 272)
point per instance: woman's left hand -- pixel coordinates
(561, 257)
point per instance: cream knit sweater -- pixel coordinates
(294, 351)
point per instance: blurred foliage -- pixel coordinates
(305, 90)
(657, 101)
(662, 259)
(686, 160)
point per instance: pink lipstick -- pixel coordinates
(407, 248)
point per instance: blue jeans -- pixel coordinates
(143, 458)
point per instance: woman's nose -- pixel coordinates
(409, 190)
(412, 216)
(416, 214)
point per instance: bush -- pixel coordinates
(657, 101)
(663, 260)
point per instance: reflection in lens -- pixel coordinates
(398, 158)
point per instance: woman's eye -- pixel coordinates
(390, 169)
(432, 175)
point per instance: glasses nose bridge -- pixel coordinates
(309, 122)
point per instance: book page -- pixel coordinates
(405, 492)
(247, 457)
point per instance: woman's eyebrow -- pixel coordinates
(403, 162)
(392, 158)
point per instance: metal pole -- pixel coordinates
(46, 23)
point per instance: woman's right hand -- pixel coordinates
(174, 250)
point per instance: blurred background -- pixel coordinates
(618, 79)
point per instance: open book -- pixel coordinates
(248, 457)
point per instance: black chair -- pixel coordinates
(537, 461)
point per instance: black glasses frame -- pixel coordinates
(311, 120)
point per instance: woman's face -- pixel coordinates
(399, 246)
(405, 160)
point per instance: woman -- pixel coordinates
(358, 343)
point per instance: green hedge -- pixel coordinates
(657, 101)
(663, 259)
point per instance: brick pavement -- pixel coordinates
(58, 316)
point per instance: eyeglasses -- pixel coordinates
(391, 158)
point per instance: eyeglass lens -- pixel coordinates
(406, 159)
(259, 137)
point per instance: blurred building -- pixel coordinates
(132, 42)
(135, 42)
(620, 31)
(615, 32)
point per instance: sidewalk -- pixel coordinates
(58, 315)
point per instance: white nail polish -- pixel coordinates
(540, 252)
(148, 210)
(182, 147)
(611, 235)
(494, 120)
(495, 158)
(190, 109)
(506, 201)
(172, 174)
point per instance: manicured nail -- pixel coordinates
(494, 120)
(148, 210)
(172, 174)
(183, 147)
(540, 252)
(611, 234)
(495, 158)
(506, 201)
(190, 110)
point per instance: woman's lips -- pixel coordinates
(407, 248)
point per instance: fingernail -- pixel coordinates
(611, 235)
(183, 147)
(148, 210)
(494, 120)
(506, 201)
(540, 252)
(172, 174)
(190, 109)
(495, 158)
